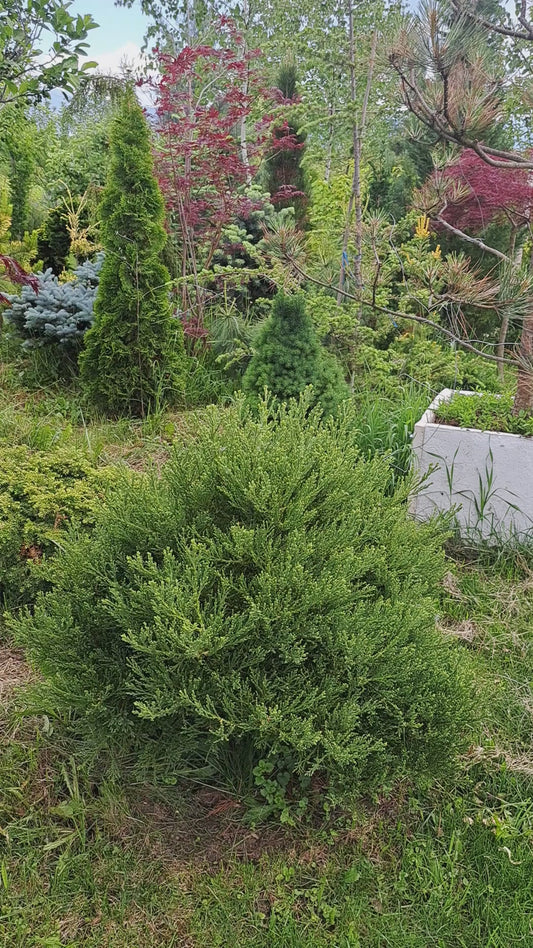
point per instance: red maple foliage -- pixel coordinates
(215, 122)
(487, 194)
(209, 149)
(17, 275)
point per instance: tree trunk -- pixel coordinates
(243, 134)
(524, 387)
(500, 349)
(346, 236)
(355, 194)
(244, 142)
(356, 182)
(329, 148)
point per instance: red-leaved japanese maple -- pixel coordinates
(16, 274)
(488, 194)
(464, 199)
(209, 148)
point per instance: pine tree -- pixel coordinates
(134, 356)
(285, 175)
(289, 357)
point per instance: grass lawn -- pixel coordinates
(101, 864)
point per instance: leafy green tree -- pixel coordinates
(134, 356)
(289, 357)
(40, 42)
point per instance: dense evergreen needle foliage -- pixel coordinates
(134, 353)
(58, 314)
(289, 356)
(262, 607)
(41, 494)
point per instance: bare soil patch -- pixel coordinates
(14, 672)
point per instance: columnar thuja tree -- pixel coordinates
(455, 87)
(134, 355)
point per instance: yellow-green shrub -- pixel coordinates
(41, 495)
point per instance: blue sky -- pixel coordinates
(120, 32)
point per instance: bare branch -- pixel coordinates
(411, 318)
(472, 240)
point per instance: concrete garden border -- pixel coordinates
(487, 475)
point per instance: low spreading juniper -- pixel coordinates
(263, 610)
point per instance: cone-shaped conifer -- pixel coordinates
(289, 357)
(134, 356)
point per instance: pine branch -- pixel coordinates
(526, 34)
(472, 240)
(409, 316)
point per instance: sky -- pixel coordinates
(121, 31)
(119, 35)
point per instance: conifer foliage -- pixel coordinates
(289, 357)
(134, 355)
(54, 313)
(262, 612)
(285, 175)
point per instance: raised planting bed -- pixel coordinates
(486, 475)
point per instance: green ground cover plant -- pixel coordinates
(486, 412)
(42, 493)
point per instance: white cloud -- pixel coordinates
(127, 57)
(112, 63)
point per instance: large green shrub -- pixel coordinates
(41, 494)
(264, 605)
(288, 357)
(134, 355)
